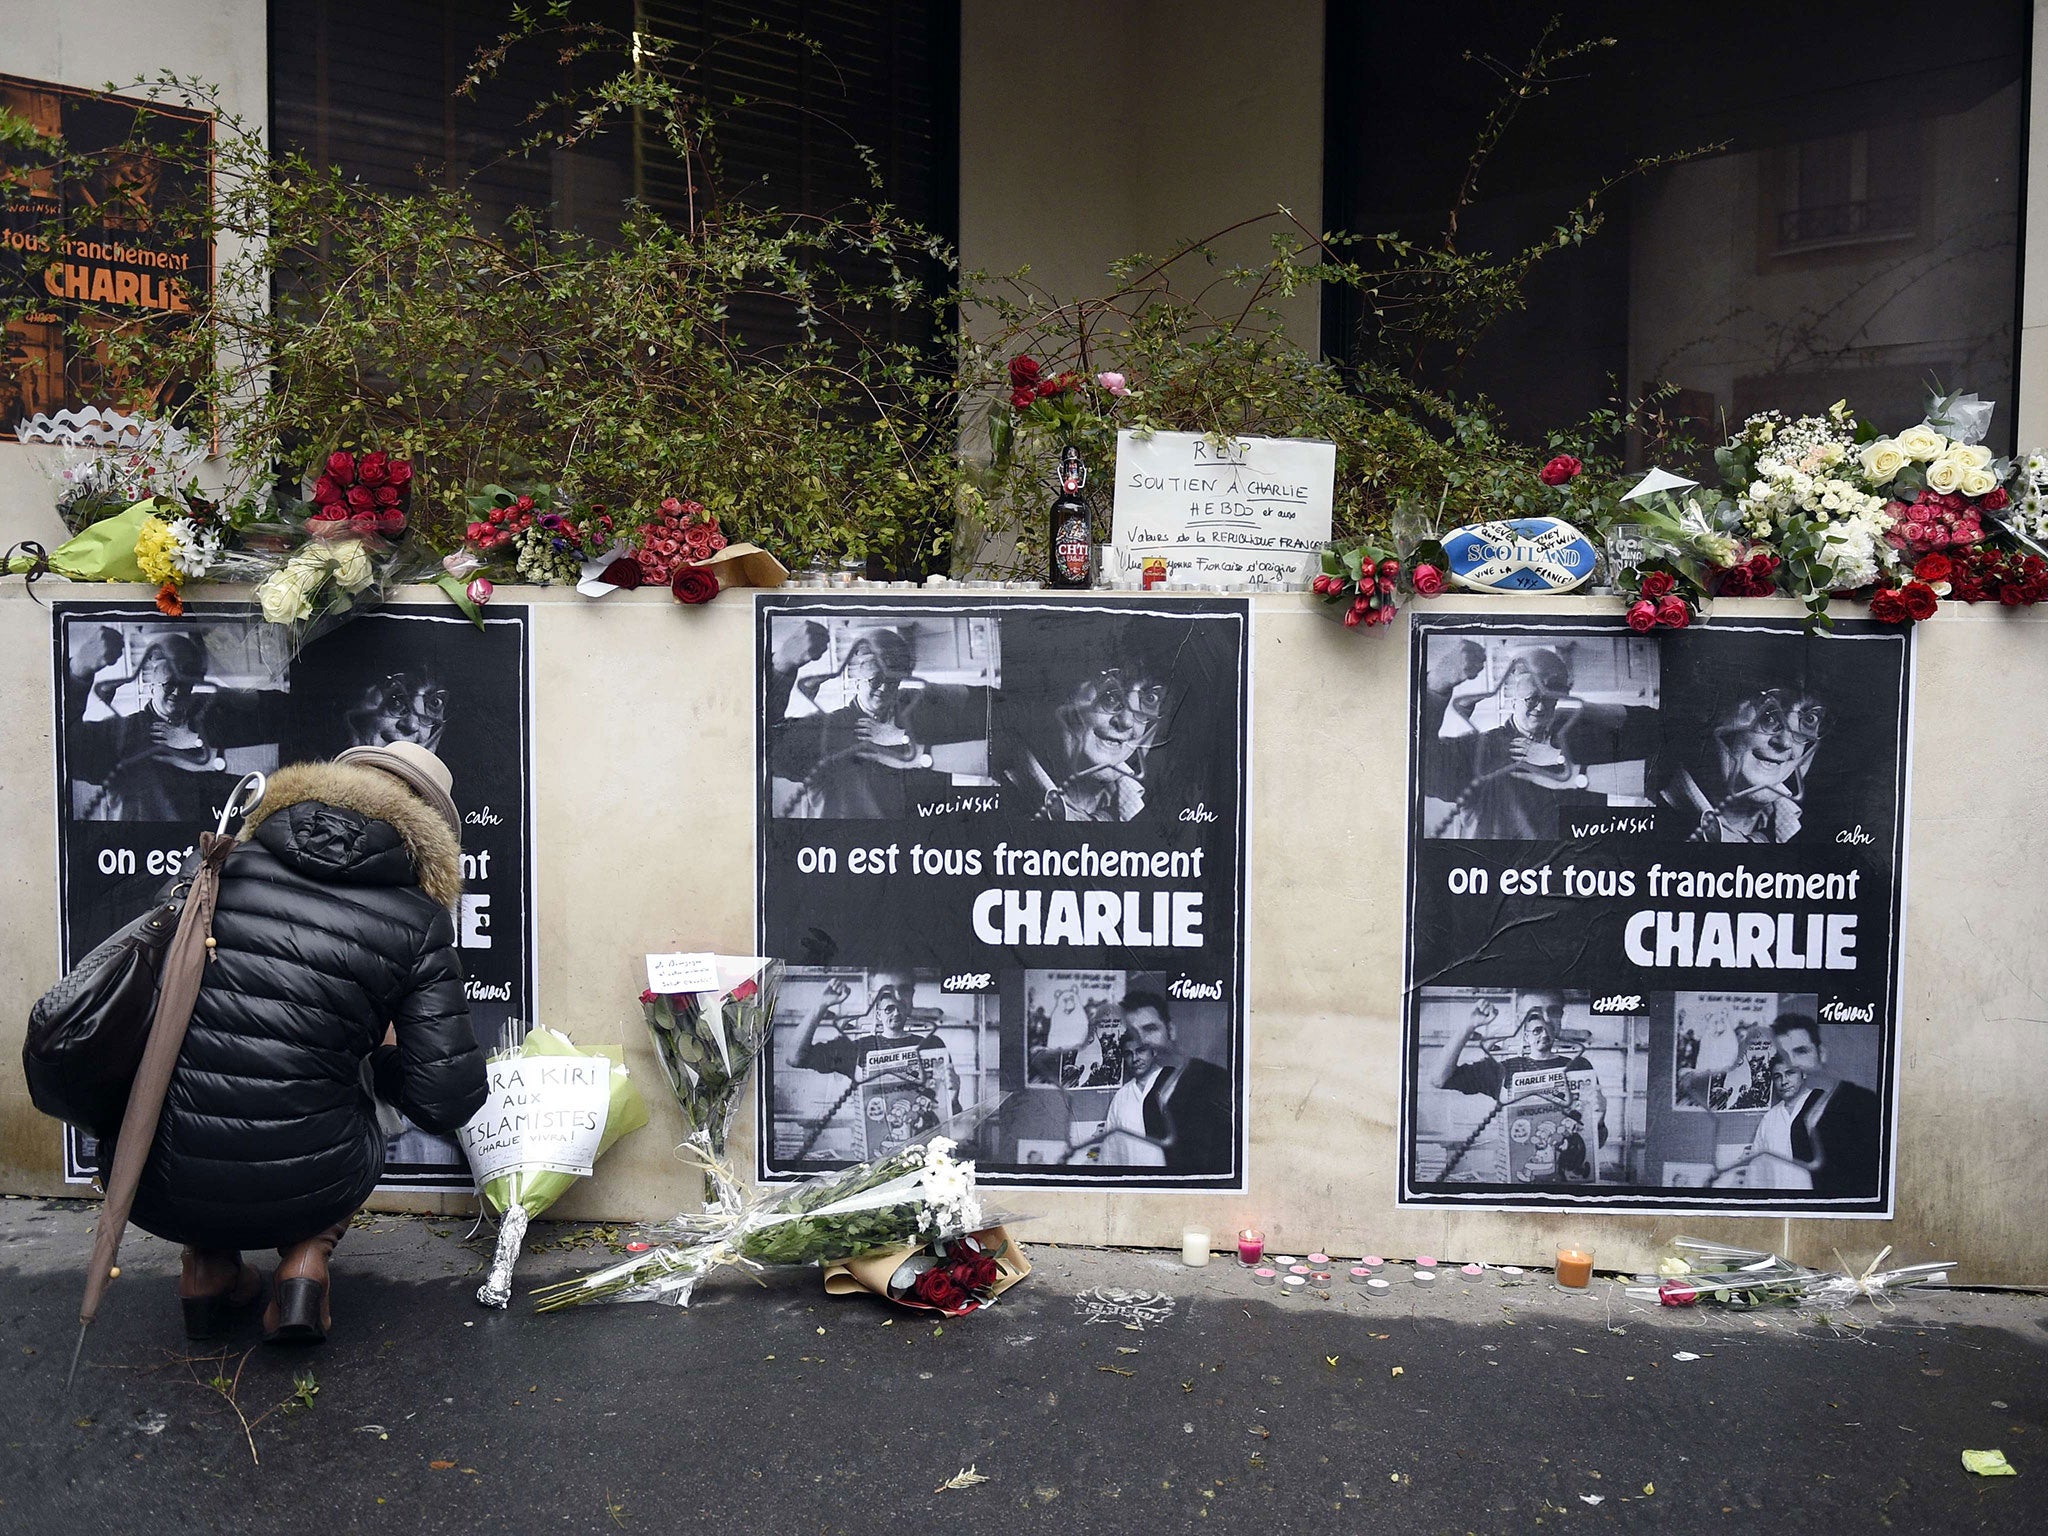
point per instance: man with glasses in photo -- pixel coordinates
(1745, 781)
(409, 705)
(1540, 1078)
(1092, 767)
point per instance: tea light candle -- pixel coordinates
(1319, 1261)
(1251, 1243)
(1424, 1261)
(1360, 1274)
(1574, 1267)
(1294, 1283)
(1512, 1271)
(1473, 1272)
(1377, 1287)
(1319, 1276)
(1297, 1269)
(1424, 1278)
(1194, 1247)
(1284, 1261)
(1373, 1262)
(1264, 1276)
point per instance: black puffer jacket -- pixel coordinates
(333, 922)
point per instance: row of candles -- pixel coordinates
(1574, 1265)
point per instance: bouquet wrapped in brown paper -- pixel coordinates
(952, 1277)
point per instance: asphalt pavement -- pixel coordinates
(1111, 1391)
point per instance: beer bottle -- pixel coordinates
(1071, 546)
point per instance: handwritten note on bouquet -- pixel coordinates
(1222, 511)
(682, 973)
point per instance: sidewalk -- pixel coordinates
(1112, 1391)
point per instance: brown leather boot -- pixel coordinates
(298, 1313)
(213, 1285)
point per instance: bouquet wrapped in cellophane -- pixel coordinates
(707, 1043)
(1723, 1275)
(552, 1112)
(912, 1197)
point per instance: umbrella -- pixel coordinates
(176, 992)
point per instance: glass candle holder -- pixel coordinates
(1194, 1247)
(1574, 1267)
(1251, 1245)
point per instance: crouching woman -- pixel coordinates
(333, 934)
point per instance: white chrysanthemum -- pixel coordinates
(196, 551)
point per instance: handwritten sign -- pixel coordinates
(1223, 512)
(682, 973)
(543, 1113)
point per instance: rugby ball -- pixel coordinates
(1523, 554)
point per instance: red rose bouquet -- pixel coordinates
(682, 535)
(952, 1277)
(360, 497)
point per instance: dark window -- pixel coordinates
(368, 85)
(1857, 234)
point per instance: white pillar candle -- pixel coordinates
(1194, 1247)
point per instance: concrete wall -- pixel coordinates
(1325, 925)
(114, 42)
(1090, 131)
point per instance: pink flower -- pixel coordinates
(1428, 580)
(1560, 470)
(1642, 617)
(1353, 617)
(463, 564)
(1114, 383)
(1673, 613)
(480, 590)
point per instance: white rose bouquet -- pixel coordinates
(913, 1197)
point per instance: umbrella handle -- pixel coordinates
(244, 798)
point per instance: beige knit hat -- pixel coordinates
(418, 770)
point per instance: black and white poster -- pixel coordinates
(1654, 896)
(157, 718)
(1002, 852)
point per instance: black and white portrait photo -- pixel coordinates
(1146, 1085)
(163, 718)
(869, 719)
(1526, 1086)
(865, 1061)
(1516, 734)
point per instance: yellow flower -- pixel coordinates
(156, 551)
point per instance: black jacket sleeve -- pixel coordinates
(440, 1068)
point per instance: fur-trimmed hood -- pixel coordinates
(434, 852)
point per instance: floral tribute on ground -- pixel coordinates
(916, 1196)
